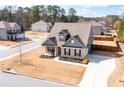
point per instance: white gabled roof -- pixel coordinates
(4, 24)
(41, 22)
(14, 25)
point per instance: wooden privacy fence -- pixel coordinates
(105, 48)
(105, 43)
(103, 37)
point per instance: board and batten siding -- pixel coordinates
(83, 52)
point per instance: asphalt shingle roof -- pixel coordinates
(74, 29)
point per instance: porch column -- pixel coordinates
(45, 49)
(56, 51)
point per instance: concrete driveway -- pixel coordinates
(10, 80)
(98, 71)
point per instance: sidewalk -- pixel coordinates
(96, 74)
(3, 47)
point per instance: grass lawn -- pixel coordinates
(47, 69)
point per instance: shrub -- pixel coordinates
(85, 61)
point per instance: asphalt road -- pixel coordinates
(10, 80)
(16, 49)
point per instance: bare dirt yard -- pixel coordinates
(116, 78)
(37, 33)
(8, 43)
(48, 69)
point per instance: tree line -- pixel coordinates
(26, 16)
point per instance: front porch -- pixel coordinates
(12, 37)
(50, 52)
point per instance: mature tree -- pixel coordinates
(116, 25)
(72, 15)
(26, 16)
(35, 13)
(63, 17)
(111, 19)
(43, 12)
(120, 32)
(6, 13)
(19, 16)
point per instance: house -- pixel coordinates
(41, 26)
(10, 31)
(69, 40)
(98, 28)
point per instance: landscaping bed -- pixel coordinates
(70, 59)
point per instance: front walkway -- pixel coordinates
(97, 74)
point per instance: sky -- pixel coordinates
(92, 10)
(97, 10)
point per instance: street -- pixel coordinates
(10, 80)
(13, 50)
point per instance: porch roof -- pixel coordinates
(50, 41)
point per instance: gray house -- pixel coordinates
(41, 26)
(69, 40)
(10, 31)
(98, 28)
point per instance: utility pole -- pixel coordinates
(20, 51)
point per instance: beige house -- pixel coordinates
(41, 26)
(98, 28)
(10, 31)
(69, 40)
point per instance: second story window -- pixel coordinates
(64, 35)
(61, 37)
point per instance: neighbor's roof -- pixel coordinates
(94, 23)
(74, 29)
(14, 25)
(41, 22)
(4, 24)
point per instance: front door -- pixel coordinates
(59, 51)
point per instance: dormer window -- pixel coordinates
(61, 37)
(64, 35)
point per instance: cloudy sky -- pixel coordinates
(92, 10)
(97, 11)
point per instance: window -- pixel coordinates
(72, 41)
(61, 37)
(67, 51)
(50, 49)
(77, 52)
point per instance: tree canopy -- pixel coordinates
(25, 16)
(120, 32)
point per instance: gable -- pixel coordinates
(72, 43)
(48, 42)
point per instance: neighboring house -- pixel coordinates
(98, 28)
(10, 31)
(69, 40)
(41, 26)
(103, 23)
